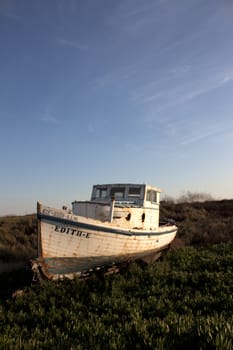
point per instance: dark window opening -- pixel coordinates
(117, 192)
(143, 217)
(128, 217)
(134, 191)
(101, 192)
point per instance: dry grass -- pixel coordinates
(18, 237)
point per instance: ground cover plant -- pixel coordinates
(183, 301)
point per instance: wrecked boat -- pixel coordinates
(119, 223)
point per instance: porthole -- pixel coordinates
(128, 217)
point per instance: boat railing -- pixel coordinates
(167, 222)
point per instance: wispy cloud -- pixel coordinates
(201, 134)
(73, 44)
(206, 86)
(179, 86)
(162, 85)
(120, 77)
(48, 117)
(133, 8)
(131, 17)
(158, 81)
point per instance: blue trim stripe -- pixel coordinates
(84, 226)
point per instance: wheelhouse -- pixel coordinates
(128, 206)
(135, 194)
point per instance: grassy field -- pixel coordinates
(182, 301)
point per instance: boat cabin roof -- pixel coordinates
(125, 192)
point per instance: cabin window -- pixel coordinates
(151, 196)
(101, 193)
(134, 191)
(117, 192)
(148, 195)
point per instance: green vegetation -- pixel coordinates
(184, 301)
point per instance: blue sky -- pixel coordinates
(114, 91)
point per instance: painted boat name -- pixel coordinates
(71, 231)
(56, 214)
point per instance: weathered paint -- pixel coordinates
(73, 243)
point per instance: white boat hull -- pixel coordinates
(70, 244)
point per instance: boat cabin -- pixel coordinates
(131, 205)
